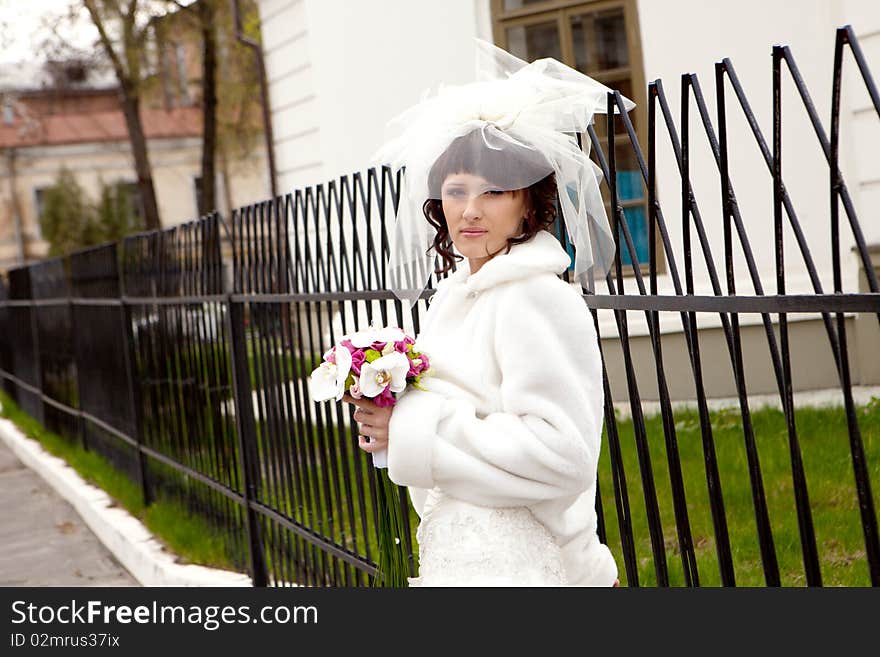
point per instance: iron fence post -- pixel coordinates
(134, 400)
(247, 438)
(35, 344)
(80, 419)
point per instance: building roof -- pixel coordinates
(103, 126)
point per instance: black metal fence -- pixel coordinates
(195, 386)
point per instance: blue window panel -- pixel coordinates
(629, 188)
(560, 224)
(638, 229)
(629, 185)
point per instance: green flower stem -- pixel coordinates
(393, 565)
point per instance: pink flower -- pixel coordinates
(330, 356)
(357, 359)
(355, 390)
(400, 346)
(385, 398)
(348, 345)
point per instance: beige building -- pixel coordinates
(68, 114)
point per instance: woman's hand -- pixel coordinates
(372, 423)
(616, 582)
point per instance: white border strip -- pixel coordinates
(823, 398)
(123, 534)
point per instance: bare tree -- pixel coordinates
(202, 16)
(123, 33)
(207, 14)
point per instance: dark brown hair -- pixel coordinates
(466, 155)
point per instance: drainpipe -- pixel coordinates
(264, 93)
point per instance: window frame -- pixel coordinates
(37, 196)
(562, 11)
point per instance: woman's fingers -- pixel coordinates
(364, 403)
(374, 444)
(372, 422)
(377, 432)
(362, 412)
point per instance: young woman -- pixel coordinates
(500, 452)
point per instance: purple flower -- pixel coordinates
(400, 346)
(357, 359)
(385, 398)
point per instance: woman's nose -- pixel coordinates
(472, 209)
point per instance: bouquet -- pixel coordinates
(377, 363)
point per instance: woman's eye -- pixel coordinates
(494, 191)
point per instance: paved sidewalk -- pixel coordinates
(43, 541)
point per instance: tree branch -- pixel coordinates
(105, 40)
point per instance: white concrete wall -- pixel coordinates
(862, 124)
(681, 36)
(339, 70)
(292, 97)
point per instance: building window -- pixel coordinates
(197, 190)
(39, 206)
(600, 39)
(130, 196)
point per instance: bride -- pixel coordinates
(500, 452)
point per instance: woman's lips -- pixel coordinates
(473, 233)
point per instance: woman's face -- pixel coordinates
(481, 217)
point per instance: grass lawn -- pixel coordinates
(824, 443)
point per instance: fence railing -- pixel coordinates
(195, 388)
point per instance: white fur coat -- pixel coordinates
(513, 415)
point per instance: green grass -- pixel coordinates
(272, 366)
(824, 444)
(187, 535)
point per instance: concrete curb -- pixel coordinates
(123, 534)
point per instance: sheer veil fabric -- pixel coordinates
(524, 114)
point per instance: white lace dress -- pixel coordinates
(461, 544)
